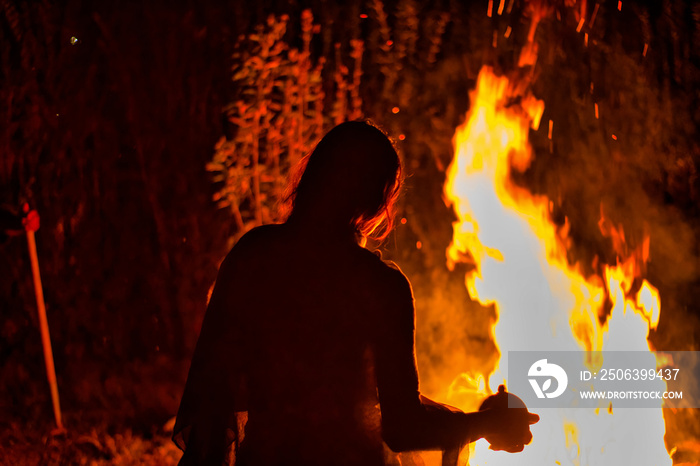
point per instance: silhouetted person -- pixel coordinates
(313, 335)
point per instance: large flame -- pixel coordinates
(543, 303)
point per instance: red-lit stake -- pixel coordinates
(44, 327)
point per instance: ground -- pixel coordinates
(114, 415)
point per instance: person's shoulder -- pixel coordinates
(370, 259)
(257, 237)
(386, 272)
(249, 245)
(260, 233)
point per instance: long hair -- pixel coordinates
(353, 177)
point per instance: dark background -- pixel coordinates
(109, 137)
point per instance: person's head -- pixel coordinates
(351, 179)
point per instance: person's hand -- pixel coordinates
(509, 427)
(512, 431)
(30, 221)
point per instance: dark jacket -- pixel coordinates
(315, 340)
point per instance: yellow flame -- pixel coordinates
(648, 304)
(542, 302)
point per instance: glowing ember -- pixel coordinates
(542, 302)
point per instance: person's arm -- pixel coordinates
(409, 420)
(206, 424)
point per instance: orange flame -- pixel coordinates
(520, 265)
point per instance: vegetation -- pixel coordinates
(277, 117)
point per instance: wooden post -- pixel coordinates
(44, 327)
